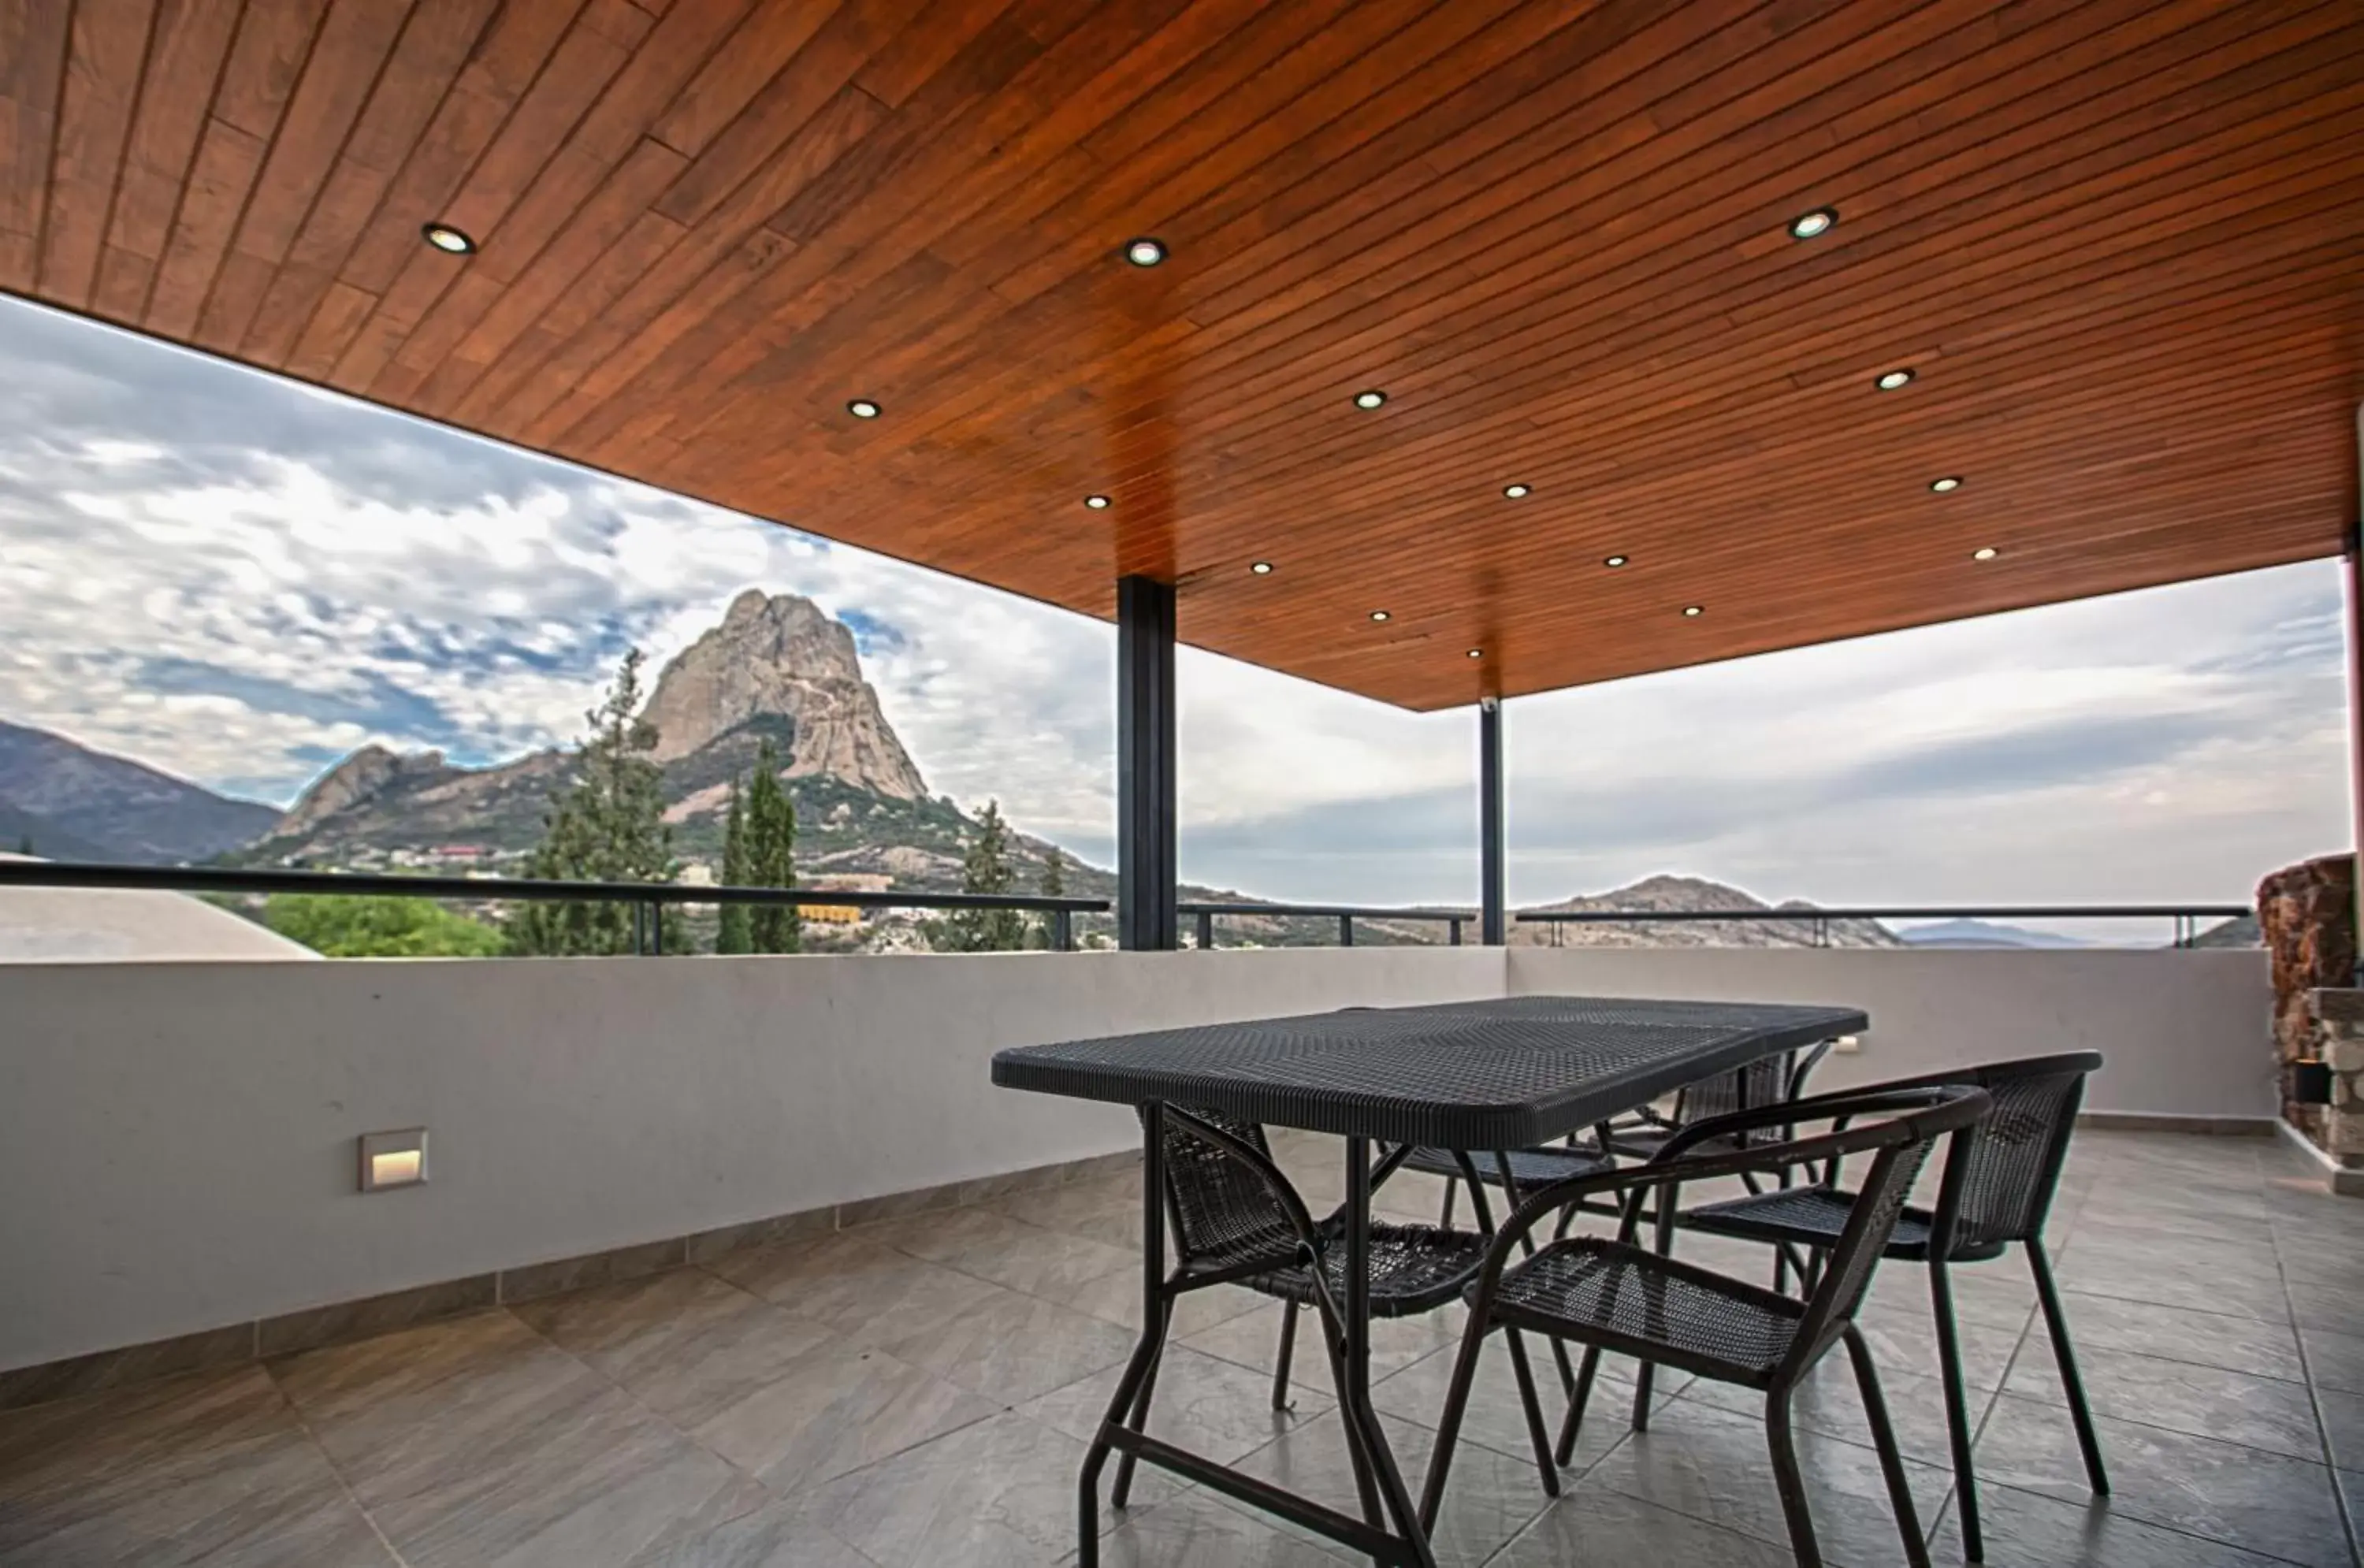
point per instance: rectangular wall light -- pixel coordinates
(393, 1159)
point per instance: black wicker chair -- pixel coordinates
(1619, 1296)
(1996, 1189)
(1236, 1220)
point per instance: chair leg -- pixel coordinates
(1787, 1482)
(1535, 1434)
(1452, 1191)
(1288, 1311)
(1448, 1423)
(2057, 1323)
(1883, 1438)
(1957, 1415)
(1565, 1454)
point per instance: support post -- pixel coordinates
(1146, 919)
(1490, 924)
(2353, 578)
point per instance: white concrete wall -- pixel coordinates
(2184, 1032)
(177, 1140)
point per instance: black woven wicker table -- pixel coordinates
(1473, 1076)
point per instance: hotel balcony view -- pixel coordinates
(1247, 783)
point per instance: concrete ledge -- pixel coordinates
(2149, 1121)
(344, 1322)
(2343, 1180)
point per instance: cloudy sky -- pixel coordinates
(239, 580)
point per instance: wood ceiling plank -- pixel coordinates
(104, 56)
(188, 45)
(33, 44)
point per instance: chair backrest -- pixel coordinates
(1221, 1211)
(1902, 1141)
(1760, 1084)
(1999, 1185)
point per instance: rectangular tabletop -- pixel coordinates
(1498, 1074)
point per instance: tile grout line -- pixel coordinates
(2315, 1402)
(344, 1483)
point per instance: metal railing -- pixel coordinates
(2186, 917)
(1344, 913)
(649, 899)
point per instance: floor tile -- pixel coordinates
(2023, 1530)
(1489, 1496)
(211, 1468)
(1906, 1340)
(1010, 1347)
(1199, 1531)
(2282, 1507)
(2343, 1426)
(2203, 1401)
(1117, 1297)
(836, 1408)
(1199, 1403)
(2254, 1345)
(867, 1291)
(2335, 1360)
(479, 1442)
(1597, 1527)
(1000, 1493)
(1252, 1339)
(1828, 1403)
(776, 1534)
(1713, 1465)
(1494, 1416)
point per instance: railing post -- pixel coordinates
(1455, 940)
(656, 927)
(640, 928)
(1345, 931)
(1062, 931)
(1206, 930)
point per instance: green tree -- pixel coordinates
(379, 926)
(608, 826)
(731, 934)
(771, 854)
(985, 869)
(1054, 886)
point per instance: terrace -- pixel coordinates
(1443, 354)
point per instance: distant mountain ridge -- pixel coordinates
(1969, 933)
(1677, 895)
(75, 802)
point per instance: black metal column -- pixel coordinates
(2352, 578)
(1145, 916)
(1491, 929)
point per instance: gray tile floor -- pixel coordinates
(918, 1393)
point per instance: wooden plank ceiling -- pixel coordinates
(2117, 241)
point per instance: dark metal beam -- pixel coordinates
(2353, 577)
(1145, 771)
(1490, 902)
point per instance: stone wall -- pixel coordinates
(2306, 915)
(2339, 1041)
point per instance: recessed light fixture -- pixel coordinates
(1262, 568)
(1985, 552)
(1370, 399)
(1950, 483)
(1807, 224)
(862, 408)
(443, 236)
(1890, 380)
(1613, 560)
(1379, 614)
(1146, 252)
(1515, 491)
(1097, 502)
(1689, 610)
(1476, 653)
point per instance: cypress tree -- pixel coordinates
(986, 869)
(1054, 886)
(731, 934)
(771, 851)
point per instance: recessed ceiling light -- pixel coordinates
(1985, 552)
(1097, 502)
(862, 408)
(1807, 224)
(1515, 491)
(1146, 252)
(1378, 615)
(1370, 399)
(1694, 609)
(1476, 653)
(443, 236)
(1950, 482)
(1262, 568)
(1890, 380)
(1613, 560)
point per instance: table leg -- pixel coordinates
(1153, 1330)
(1355, 1389)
